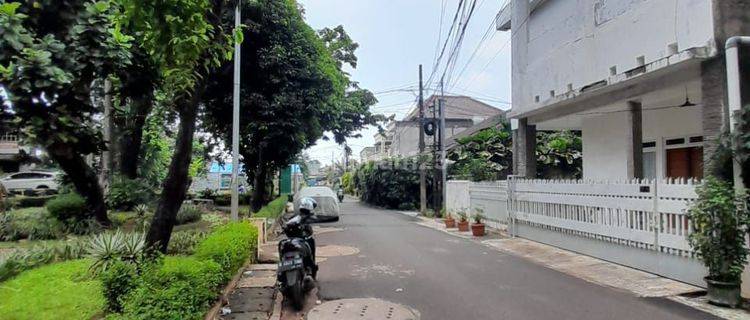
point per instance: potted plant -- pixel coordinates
(463, 222)
(449, 221)
(477, 228)
(720, 222)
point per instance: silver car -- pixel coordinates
(34, 180)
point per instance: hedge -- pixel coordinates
(63, 290)
(185, 287)
(180, 288)
(229, 245)
(273, 209)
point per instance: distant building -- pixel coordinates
(218, 178)
(401, 138)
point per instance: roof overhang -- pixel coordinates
(502, 20)
(628, 85)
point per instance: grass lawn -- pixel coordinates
(57, 291)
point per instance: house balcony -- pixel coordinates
(9, 146)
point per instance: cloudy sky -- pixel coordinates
(395, 36)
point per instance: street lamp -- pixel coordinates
(235, 215)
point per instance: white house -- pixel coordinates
(645, 83)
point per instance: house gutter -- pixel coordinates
(734, 93)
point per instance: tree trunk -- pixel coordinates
(105, 175)
(84, 179)
(259, 185)
(132, 137)
(177, 182)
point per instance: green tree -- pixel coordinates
(187, 40)
(293, 90)
(485, 155)
(50, 54)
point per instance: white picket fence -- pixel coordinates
(490, 197)
(639, 223)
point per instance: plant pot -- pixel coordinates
(477, 229)
(725, 294)
(463, 226)
(450, 223)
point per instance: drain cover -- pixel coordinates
(364, 309)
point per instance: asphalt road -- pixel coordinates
(445, 277)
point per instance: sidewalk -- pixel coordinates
(594, 270)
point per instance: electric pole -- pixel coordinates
(235, 214)
(435, 171)
(422, 173)
(442, 146)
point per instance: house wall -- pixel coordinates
(406, 136)
(604, 134)
(574, 43)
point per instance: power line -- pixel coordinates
(437, 61)
(512, 34)
(487, 36)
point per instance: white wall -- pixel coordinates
(604, 130)
(577, 41)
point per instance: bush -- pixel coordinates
(222, 199)
(124, 194)
(184, 242)
(29, 223)
(57, 291)
(27, 202)
(22, 260)
(107, 249)
(720, 221)
(189, 213)
(273, 209)
(117, 281)
(69, 206)
(229, 246)
(180, 288)
(391, 183)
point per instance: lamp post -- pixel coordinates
(235, 215)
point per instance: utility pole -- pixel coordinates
(235, 213)
(443, 167)
(435, 171)
(422, 173)
(105, 176)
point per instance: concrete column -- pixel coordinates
(524, 149)
(519, 49)
(634, 143)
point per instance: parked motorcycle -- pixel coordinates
(297, 267)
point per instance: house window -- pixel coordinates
(684, 157)
(649, 160)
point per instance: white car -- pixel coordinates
(34, 180)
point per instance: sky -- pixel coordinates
(395, 36)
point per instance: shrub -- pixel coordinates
(184, 242)
(223, 199)
(189, 213)
(229, 245)
(124, 194)
(720, 221)
(180, 288)
(27, 202)
(22, 260)
(391, 183)
(117, 281)
(273, 209)
(29, 223)
(57, 291)
(67, 207)
(106, 249)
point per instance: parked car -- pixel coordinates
(328, 204)
(30, 180)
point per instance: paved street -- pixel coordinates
(446, 277)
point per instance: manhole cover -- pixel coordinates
(364, 309)
(335, 251)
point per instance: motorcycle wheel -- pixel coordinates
(294, 290)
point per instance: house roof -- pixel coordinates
(495, 122)
(457, 107)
